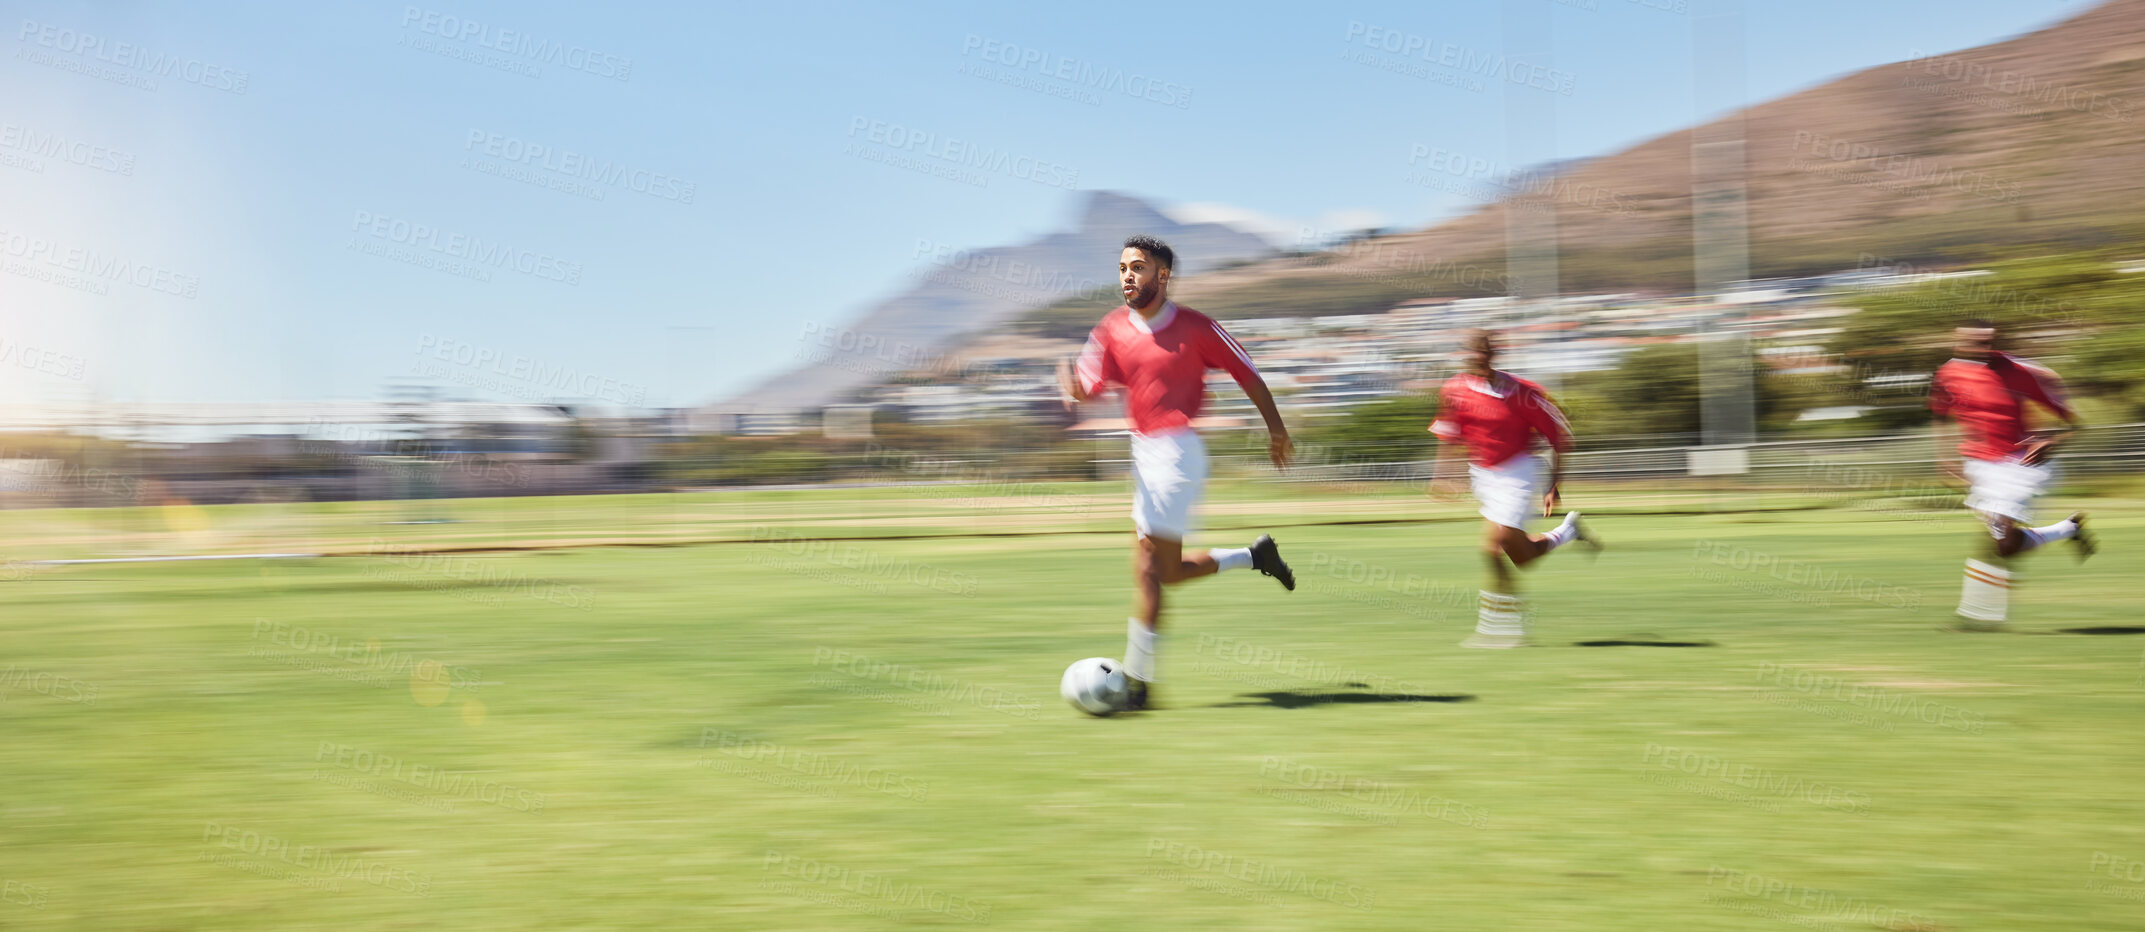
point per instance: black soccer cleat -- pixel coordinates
(2083, 540)
(1266, 558)
(1139, 694)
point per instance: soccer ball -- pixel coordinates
(1095, 686)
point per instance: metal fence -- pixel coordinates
(1851, 461)
(1870, 464)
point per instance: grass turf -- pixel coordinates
(866, 733)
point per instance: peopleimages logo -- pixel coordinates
(1746, 776)
(1077, 75)
(63, 688)
(1409, 45)
(1391, 799)
(1027, 280)
(131, 57)
(1261, 873)
(430, 569)
(94, 268)
(486, 367)
(1951, 293)
(457, 784)
(322, 861)
(467, 249)
(1967, 72)
(31, 472)
(867, 562)
(1814, 578)
(1812, 905)
(517, 44)
(1904, 169)
(1505, 181)
(808, 764)
(1874, 698)
(921, 681)
(54, 145)
(22, 893)
(876, 893)
(361, 662)
(961, 160)
(1247, 654)
(580, 166)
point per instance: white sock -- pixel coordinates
(1227, 559)
(1139, 651)
(1564, 533)
(1986, 594)
(1500, 616)
(2061, 530)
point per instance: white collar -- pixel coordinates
(1486, 386)
(1162, 320)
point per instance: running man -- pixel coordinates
(2005, 464)
(1501, 419)
(1160, 352)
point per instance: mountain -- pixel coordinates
(969, 290)
(2036, 141)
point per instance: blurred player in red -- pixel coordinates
(1502, 419)
(1160, 353)
(2005, 463)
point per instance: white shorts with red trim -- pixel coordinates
(1507, 490)
(1169, 476)
(2006, 488)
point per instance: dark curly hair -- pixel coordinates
(1156, 251)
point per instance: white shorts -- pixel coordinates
(1506, 490)
(2006, 488)
(1169, 475)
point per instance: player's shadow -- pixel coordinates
(1642, 642)
(1299, 700)
(2111, 629)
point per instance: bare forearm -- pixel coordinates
(2071, 425)
(1446, 454)
(1263, 399)
(1946, 440)
(1069, 383)
(2046, 442)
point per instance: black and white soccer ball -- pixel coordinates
(1096, 686)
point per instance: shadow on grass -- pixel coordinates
(1627, 642)
(2112, 629)
(1299, 700)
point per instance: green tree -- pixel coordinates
(2077, 313)
(1391, 430)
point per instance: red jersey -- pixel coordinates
(1162, 364)
(1988, 399)
(1499, 418)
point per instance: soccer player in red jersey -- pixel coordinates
(2006, 464)
(1159, 352)
(1502, 419)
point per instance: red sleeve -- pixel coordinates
(1543, 415)
(1940, 393)
(2044, 386)
(1447, 425)
(1098, 366)
(1219, 350)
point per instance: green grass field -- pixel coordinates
(866, 733)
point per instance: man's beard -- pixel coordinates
(1145, 295)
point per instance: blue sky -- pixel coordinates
(649, 204)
